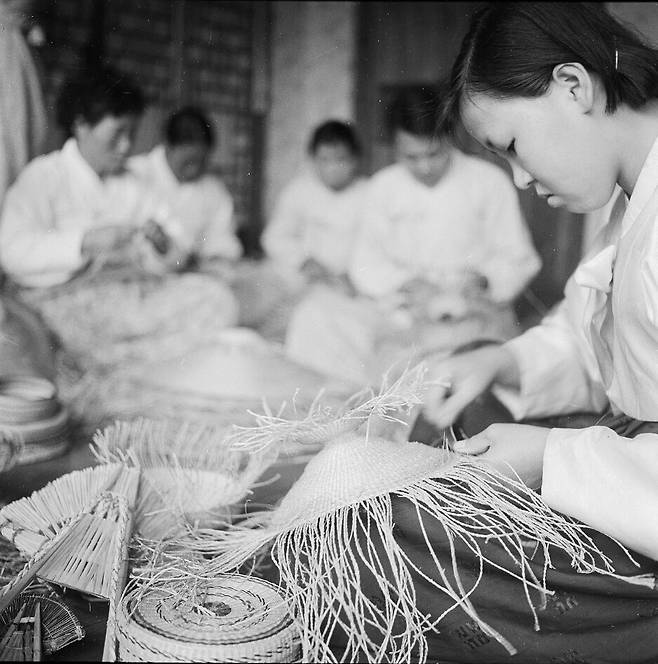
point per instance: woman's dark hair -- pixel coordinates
(334, 132)
(512, 48)
(94, 94)
(189, 125)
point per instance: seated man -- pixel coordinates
(317, 215)
(309, 238)
(442, 252)
(71, 206)
(195, 207)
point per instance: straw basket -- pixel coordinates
(31, 412)
(231, 618)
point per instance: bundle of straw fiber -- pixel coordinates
(230, 618)
(111, 318)
(335, 528)
(218, 383)
(31, 413)
(188, 471)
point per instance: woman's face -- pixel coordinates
(552, 144)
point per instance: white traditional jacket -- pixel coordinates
(312, 221)
(469, 221)
(46, 212)
(600, 348)
(199, 214)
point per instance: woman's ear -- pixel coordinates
(575, 80)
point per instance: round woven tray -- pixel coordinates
(42, 439)
(25, 399)
(232, 618)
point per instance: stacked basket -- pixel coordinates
(31, 412)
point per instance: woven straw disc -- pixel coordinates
(245, 620)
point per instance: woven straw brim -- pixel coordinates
(352, 469)
(228, 619)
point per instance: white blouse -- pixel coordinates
(600, 346)
(310, 220)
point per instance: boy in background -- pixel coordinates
(310, 236)
(316, 217)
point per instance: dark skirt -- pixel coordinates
(590, 618)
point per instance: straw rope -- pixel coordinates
(230, 618)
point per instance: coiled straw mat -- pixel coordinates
(231, 618)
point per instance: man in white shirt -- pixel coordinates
(194, 206)
(317, 215)
(310, 236)
(71, 206)
(442, 252)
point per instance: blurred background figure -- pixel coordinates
(72, 206)
(194, 206)
(22, 111)
(316, 218)
(309, 238)
(441, 254)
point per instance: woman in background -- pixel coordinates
(309, 238)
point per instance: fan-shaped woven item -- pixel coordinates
(231, 618)
(60, 627)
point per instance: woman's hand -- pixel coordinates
(467, 376)
(512, 449)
